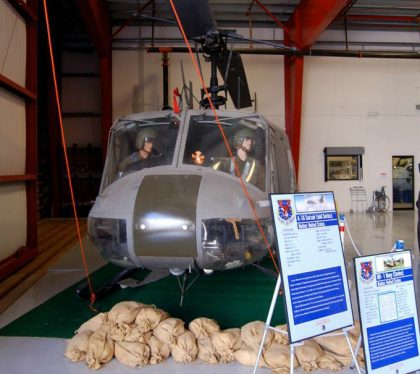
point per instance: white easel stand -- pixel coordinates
(293, 345)
(344, 332)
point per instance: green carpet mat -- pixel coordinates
(233, 298)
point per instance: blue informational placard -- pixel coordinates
(312, 264)
(388, 312)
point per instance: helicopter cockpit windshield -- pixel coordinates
(246, 137)
(136, 144)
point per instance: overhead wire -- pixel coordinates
(225, 140)
(63, 142)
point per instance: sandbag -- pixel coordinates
(159, 351)
(279, 337)
(309, 354)
(329, 362)
(148, 318)
(280, 371)
(136, 335)
(77, 346)
(125, 312)
(226, 343)
(203, 327)
(252, 334)
(185, 348)
(337, 346)
(277, 356)
(355, 331)
(117, 331)
(132, 354)
(169, 329)
(100, 350)
(92, 324)
(206, 351)
(248, 356)
(118, 320)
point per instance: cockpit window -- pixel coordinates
(139, 144)
(246, 138)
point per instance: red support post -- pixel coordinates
(310, 19)
(31, 127)
(96, 17)
(105, 68)
(293, 80)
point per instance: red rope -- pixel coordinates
(63, 142)
(224, 137)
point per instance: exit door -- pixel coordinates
(403, 182)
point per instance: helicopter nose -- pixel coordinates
(165, 216)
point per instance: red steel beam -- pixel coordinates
(31, 128)
(24, 10)
(17, 178)
(382, 18)
(96, 17)
(16, 89)
(307, 23)
(311, 18)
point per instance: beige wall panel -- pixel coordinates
(12, 44)
(138, 82)
(359, 102)
(82, 131)
(12, 201)
(12, 134)
(81, 95)
(72, 62)
(127, 83)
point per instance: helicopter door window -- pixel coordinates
(135, 145)
(246, 136)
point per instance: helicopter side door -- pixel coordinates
(282, 168)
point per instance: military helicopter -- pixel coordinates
(170, 197)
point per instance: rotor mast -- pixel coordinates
(212, 51)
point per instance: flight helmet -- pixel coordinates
(143, 135)
(241, 135)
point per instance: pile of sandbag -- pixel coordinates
(137, 335)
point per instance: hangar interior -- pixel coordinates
(349, 102)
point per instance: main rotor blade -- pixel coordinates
(236, 79)
(196, 17)
(233, 35)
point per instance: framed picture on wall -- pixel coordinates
(343, 163)
(341, 168)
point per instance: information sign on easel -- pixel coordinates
(312, 264)
(388, 312)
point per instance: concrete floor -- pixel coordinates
(371, 233)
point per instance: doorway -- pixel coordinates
(403, 182)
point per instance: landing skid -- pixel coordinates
(183, 286)
(122, 280)
(271, 273)
(113, 285)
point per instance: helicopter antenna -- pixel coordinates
(184, 87)
(227, 73)
(191, 96)
(197, 56)
(239, 91)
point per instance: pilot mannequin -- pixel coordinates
(249, 168)
(145, 156)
